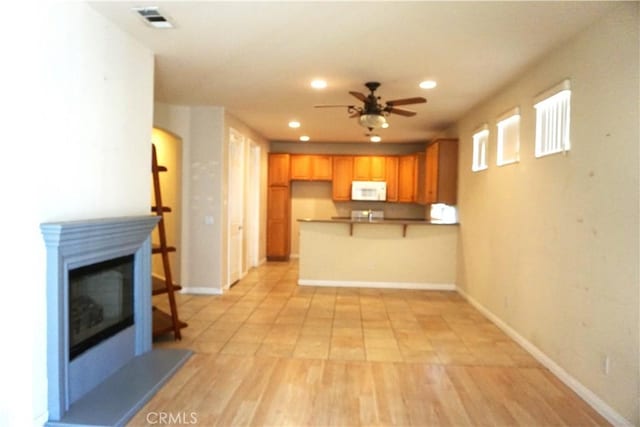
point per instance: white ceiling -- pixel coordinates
(257, 58)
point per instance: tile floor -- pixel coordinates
(268, 314)
(271, 353)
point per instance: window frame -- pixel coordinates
(512, 115)
(559, 114)
(479, 161)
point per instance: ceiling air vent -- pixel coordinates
(153, 17)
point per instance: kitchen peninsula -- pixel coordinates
(318, 182)
(401, 254)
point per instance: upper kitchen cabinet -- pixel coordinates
(311, 167)
(391, 176)
(342, 177)
(279, 169)
(441, 172)
(407, 178)
(369, 168)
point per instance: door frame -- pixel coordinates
(237, 136)
(252, 213)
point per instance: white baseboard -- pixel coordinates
(587, 395)
(380, 285)
(200, 290)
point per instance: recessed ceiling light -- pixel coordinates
(376, 138)
(385, 125)
(294, 124)
(318, 84)
(428, 84)
(304, 138)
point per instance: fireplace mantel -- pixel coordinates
(77, 388)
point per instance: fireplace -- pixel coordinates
(100, 302)
(101, 368)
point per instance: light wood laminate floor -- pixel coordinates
(269, 352)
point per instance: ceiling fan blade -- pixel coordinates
(407, 101)
(400, 111)
(333, 106)
(359, 95)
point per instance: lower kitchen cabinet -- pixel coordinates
(278, 223)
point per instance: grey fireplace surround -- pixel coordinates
(109, 383)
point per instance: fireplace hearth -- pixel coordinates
(101, 367)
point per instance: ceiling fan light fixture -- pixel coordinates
(372, 121)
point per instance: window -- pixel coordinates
(508, 137)
(552, 120)
(480, 142)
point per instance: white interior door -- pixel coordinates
(236, 206)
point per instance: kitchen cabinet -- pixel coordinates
(369, 168)
(278, 208)
(441, 172)
(407, 178)
(342, 177)
(311, 167)
(278, 223)
(391, 177)
(279, 169)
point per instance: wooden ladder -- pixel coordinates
(163, 322)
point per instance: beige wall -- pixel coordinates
(345, 148)
(550, 246)
(205, 135)
(76, 146)
(378, 255)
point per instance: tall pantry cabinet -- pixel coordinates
(279, 208)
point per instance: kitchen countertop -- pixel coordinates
(400, 221)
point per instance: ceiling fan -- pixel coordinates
(373, 114)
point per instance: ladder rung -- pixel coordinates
(157, 249)
(164, 209)
(163, 323)
(159, 286)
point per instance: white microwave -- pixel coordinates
(369, 190)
